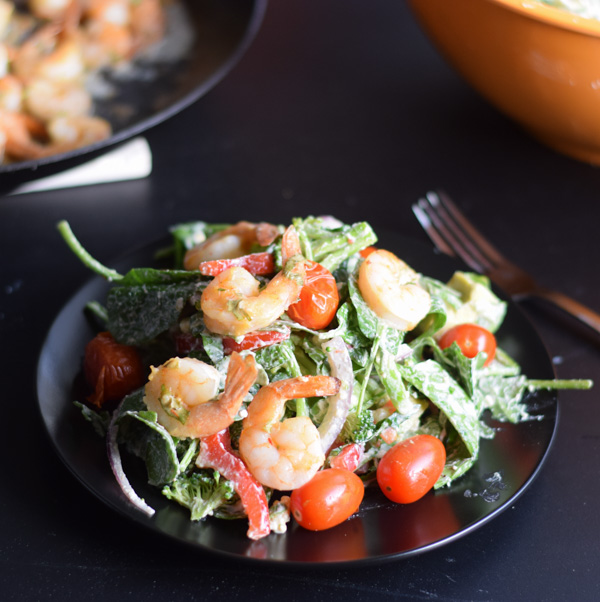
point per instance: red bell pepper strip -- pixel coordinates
(260, 264)
(348, 458)
(255, 340)
(216, 453)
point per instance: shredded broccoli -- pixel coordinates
(202, 492)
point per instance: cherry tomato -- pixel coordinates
(327, 500)
(255, 340)
(471, 339)
(411, 468)
(114, 370)
(319, 298)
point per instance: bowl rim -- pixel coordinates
(551, 15)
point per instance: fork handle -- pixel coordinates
(574, 308)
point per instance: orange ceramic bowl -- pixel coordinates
(539, 65)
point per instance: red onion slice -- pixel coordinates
(339, 404)
(114, 457)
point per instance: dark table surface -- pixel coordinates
(339, 107)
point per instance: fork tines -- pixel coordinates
(452, 233)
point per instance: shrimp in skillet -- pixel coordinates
(234, 241)
(20, 134)
(183, 393)
(284, 455)
(391, 289)
(233, 303)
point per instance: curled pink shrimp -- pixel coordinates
(233, 303)
(183, 393)
(284, 455)
(232, 242)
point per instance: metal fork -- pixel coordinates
(454, 235)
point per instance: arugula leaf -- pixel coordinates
(435, 318)
(99, 420)
(503, 395)
(151, 276)
(331, 246)
(368, 321)
(464, 369)
(144, 437)
(444, 392)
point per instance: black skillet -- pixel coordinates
(223, 30)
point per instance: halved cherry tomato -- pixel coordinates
(348, 458)
(114, 370)
(367, 251)
(255, 263)
(319, 298)
(255, 340)
(411, 468)
(471, 339)
(327, 500)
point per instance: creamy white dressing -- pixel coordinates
(589, 9)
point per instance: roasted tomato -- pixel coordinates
(112, 369)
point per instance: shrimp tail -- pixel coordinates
(211, 416)
(268, 405)
(266, 233)
(290, 244)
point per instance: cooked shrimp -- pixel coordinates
(47, 99)
(4, 60)
(47, 55)
(284, 455)
(70, 132)
(7, 10)
(147, 23)
(48, 9)
(108, 11)
(106, 44)
(234, 241)
(11, 94)
(183, 392)
(19, 133)
(233, 303)
(391, 289)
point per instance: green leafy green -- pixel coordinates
(332, 245)
(437, 385)
(138, 314)
(203, 492)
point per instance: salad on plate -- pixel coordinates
(274, 372)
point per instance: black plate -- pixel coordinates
(223, 31)
(382, 530)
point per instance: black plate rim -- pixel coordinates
(138, 518)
